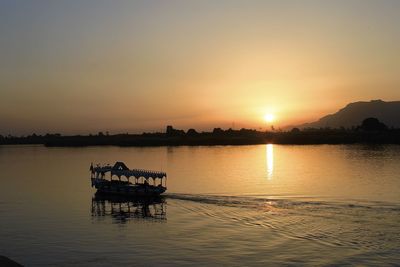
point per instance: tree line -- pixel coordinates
(371, 130)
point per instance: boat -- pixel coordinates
(130, 182)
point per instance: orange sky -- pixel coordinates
(75, 67)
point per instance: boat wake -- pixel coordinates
(284, 202)
(347, 224)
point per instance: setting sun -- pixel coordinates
(269, 117)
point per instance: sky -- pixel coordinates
(79, 67)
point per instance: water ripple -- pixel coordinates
(358, 225)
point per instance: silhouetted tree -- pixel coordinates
(174, 132)
(192, 132)
(295, 130)
(218, 131)
(373, 124)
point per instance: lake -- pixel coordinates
(225, 205)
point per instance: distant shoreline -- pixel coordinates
(216, 138)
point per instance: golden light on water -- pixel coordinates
(270, 160)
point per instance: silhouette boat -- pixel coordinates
(145, 183)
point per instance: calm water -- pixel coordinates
(249, 205)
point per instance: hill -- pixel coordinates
(354, 113)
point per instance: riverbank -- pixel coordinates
(6, 262)
(227, 137)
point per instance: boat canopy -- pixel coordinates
(120, 169)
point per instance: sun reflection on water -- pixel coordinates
(270, 160)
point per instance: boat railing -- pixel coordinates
(99, 172)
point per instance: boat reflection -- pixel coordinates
(270, 161)
(123, 209)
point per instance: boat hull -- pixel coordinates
(127, 189)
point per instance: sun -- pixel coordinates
(269, 117)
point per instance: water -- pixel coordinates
(247, 205)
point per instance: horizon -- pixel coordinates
(200, 130)
(79, 68)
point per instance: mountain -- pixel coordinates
(354, 113)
